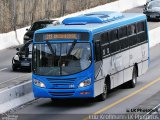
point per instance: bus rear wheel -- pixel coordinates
(132, 83)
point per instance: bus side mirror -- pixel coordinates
(26, 52)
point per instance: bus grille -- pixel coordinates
(61, 83)
(61, 93)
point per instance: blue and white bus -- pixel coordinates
(90, 54)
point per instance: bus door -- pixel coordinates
(98, 60)
(98, 68)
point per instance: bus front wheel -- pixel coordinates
(103, 96)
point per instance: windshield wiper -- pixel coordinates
(50, 48)
(71, 48)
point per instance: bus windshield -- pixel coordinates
(56, 59)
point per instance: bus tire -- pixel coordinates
(132, 83)
(103, 96)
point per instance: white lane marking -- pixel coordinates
(3, 69)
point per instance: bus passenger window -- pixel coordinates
(140, 26)
(104, 38)
(122, 32)
(113, 35)
(131, 29)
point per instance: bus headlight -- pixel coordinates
(85, 83)
(38, 83)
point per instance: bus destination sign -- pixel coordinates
(83, 36)
(53, 36)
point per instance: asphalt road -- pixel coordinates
(7, 76)
(119, 101)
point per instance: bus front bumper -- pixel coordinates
(85, 92)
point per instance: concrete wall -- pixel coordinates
(154, 37)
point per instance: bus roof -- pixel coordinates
(95, 22)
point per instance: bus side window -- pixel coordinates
(104, 38)
(122, 32)
(131, 29)
(114, 42)
(140, 26)
(132, 37)
(98, 51)
(141, 33)
(113, 35)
